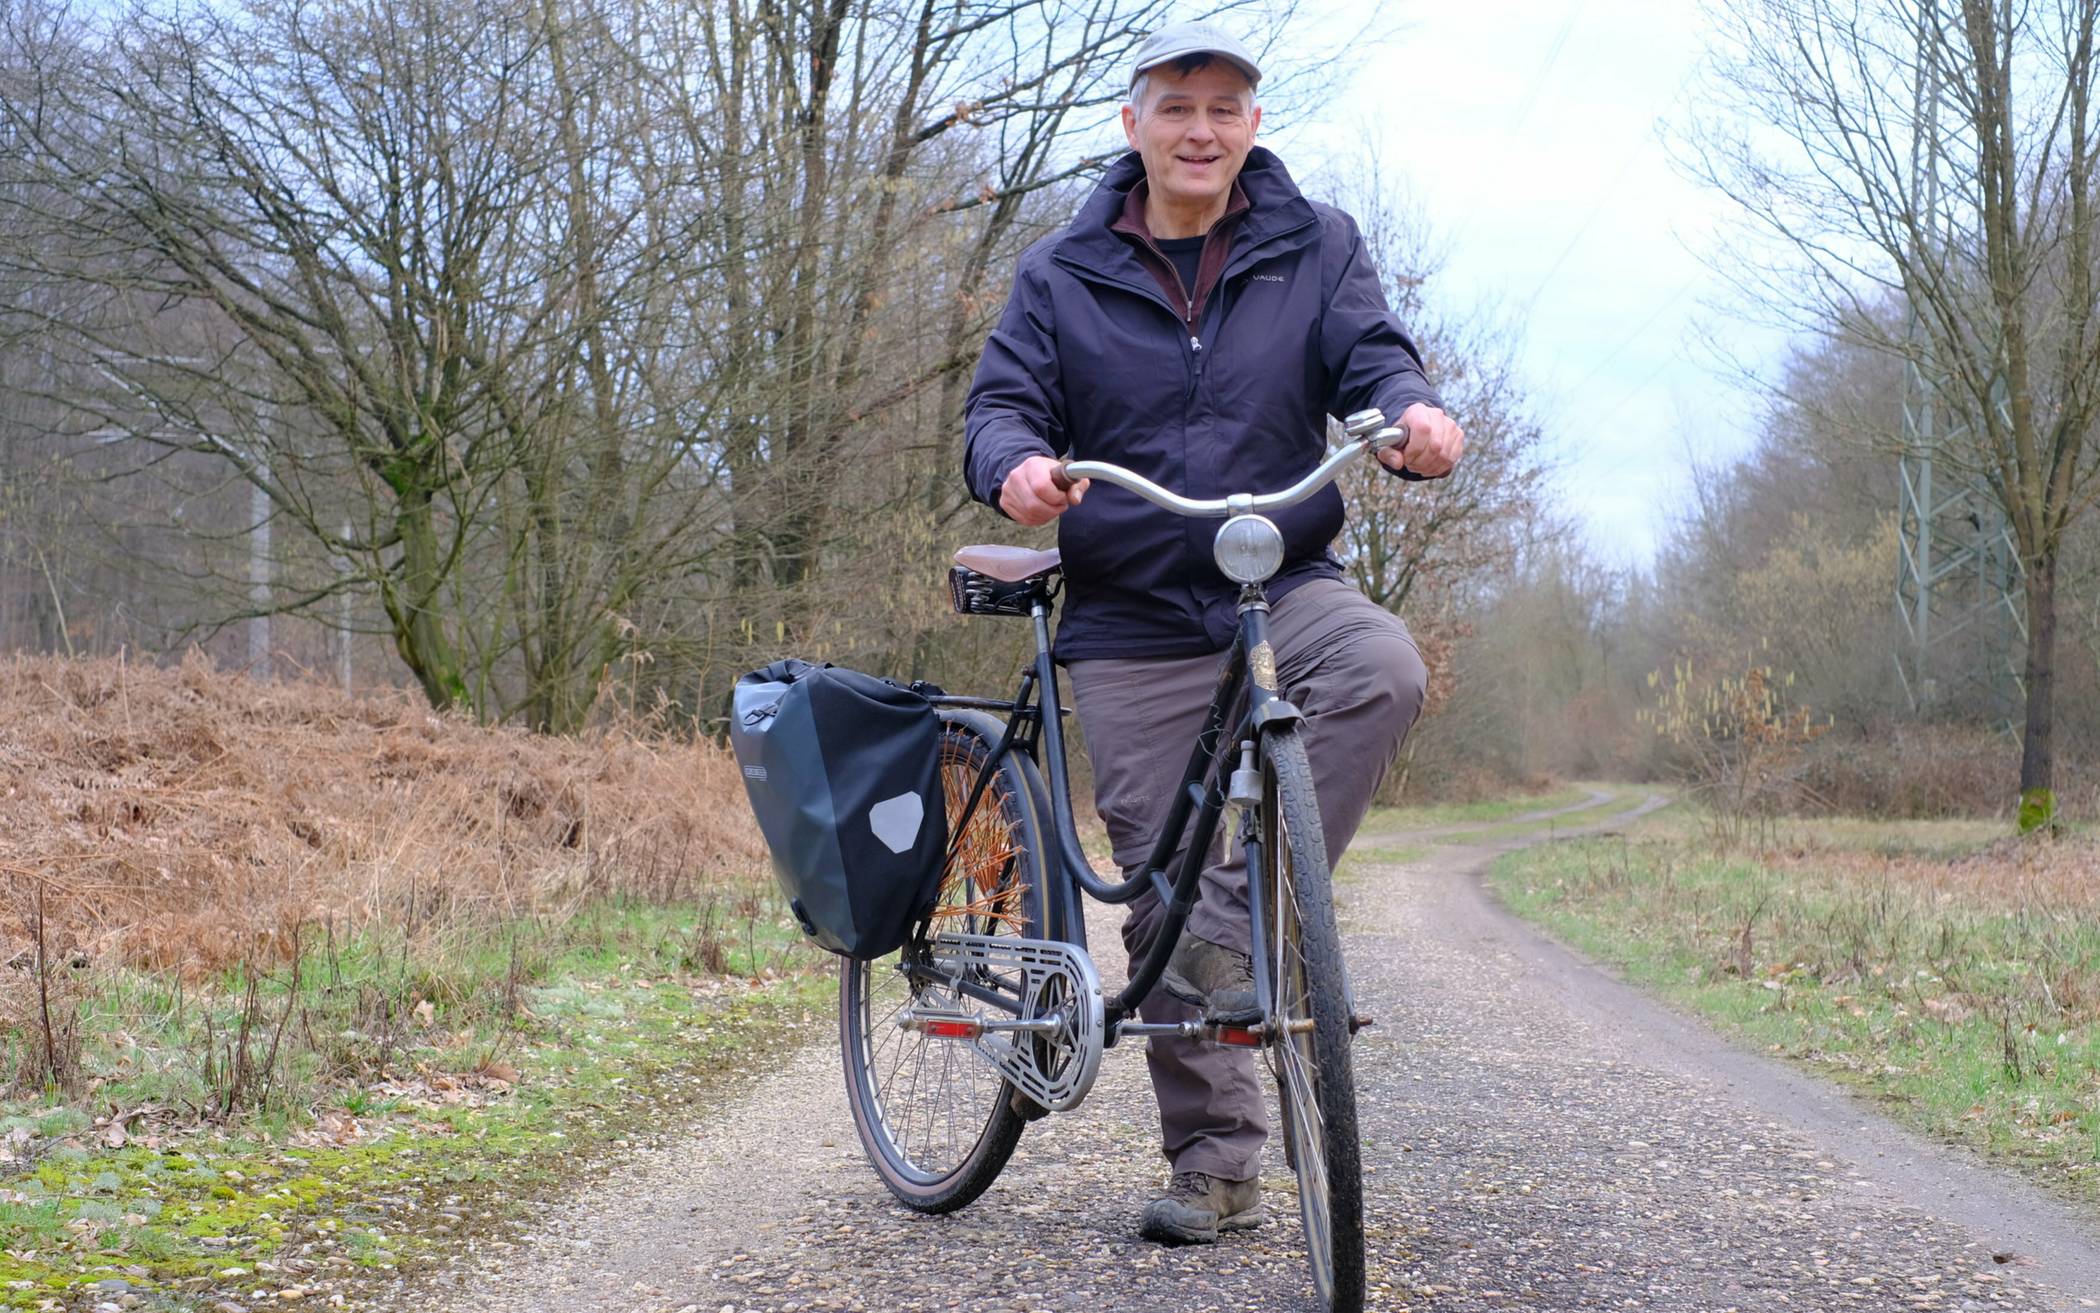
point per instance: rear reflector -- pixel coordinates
(954, 1029)
(1240, 1036)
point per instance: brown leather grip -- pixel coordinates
(1063, 480)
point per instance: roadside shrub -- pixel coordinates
(1919, 771)
(1437, 779)
(192, 820)
(40, 989)
(1736, 741)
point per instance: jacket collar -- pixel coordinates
(1132, 220)
(1274, 207)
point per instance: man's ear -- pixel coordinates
(1130, 126)
(1254, 124)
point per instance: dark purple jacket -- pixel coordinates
(1091, 359)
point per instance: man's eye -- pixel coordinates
(1174, 111)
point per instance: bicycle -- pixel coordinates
(993, 1014)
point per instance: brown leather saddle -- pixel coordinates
(994, 579)
(1009, 565)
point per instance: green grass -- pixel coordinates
(1938, 839)
(352, 1004)
(1968, 1009)
(1437, 815)
(1356, 863)
(488, 1069)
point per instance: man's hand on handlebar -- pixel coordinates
(1036, 492)
(1434, 444)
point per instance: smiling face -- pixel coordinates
(1193, 131)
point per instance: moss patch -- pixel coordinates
(474, 1119)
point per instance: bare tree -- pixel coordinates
(521, 315)
(1943, 155)
(554, 336)
(1453, 537)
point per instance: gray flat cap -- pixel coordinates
(1195, 38)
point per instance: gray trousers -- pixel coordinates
(1349, 665)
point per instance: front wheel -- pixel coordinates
(1316, 1087)
(938, 1122)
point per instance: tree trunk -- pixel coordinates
(2037, 755)
(799, 512)
(411, 605)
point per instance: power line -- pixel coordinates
(1624, 342)
(1641, 386)
(1538, 82)
(1597, 208)
(1538, 79)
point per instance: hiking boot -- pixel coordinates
(1217, 979)
(1196, 1207)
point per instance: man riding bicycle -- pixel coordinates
(1198, 322)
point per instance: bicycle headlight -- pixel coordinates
(1249, 548)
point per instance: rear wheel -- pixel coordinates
(1316, 1086)
(938, 1122)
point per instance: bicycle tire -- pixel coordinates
(937, 1122)
(1315, 1083)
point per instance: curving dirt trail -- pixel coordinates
(1539, 1136)
(1593, 799)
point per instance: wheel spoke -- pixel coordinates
(926, 1104)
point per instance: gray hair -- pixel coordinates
(1184, 66)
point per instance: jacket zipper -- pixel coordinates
(1188, 325)
(1188, 313)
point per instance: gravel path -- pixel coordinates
(1368, 839)
(1538, 1137)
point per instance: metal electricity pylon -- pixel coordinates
(1959, 606)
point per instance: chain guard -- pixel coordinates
(1054, 1070)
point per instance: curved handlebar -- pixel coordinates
(1069, 472)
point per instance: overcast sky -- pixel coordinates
(1529, 132)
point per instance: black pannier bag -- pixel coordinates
(843, 770)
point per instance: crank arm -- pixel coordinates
(1050, 1050)
(955, 983)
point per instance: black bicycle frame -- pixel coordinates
(1246, 696)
